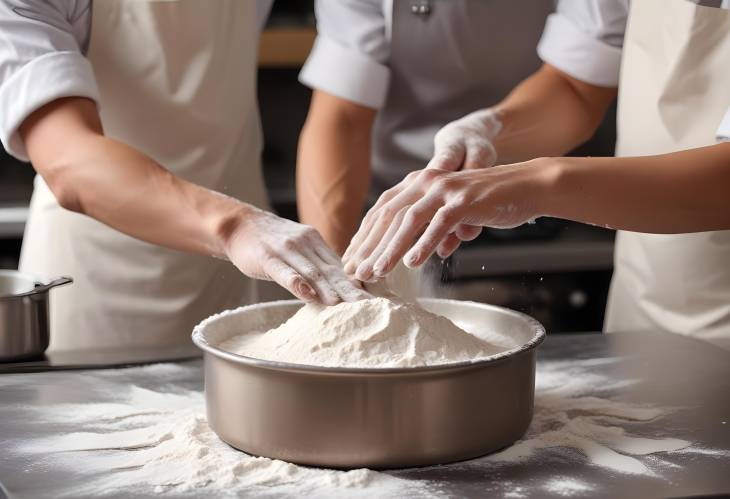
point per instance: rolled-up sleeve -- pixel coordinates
(584, 38)
(350, 54)
(40, 61)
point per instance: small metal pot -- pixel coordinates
(24, 315)
(370, 417)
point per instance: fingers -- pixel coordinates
(443, 223)
(448, 156)
(447, 247)
(392, 249)
(366, 270)
(390, 230)
(451, 159)
(310, 268)
(368, 221)
(352, 265)
(381, 221)
(325, 253)
(347, 289)
(466, 232)
(285, 276)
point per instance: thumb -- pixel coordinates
(449, 157)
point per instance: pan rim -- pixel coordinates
(16, 274)
(198, 337)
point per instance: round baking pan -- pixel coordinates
(370, 417)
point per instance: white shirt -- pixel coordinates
(583, 38)
(42, 59)
(350, 55)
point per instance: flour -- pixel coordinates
(567, 487)
(377, 332)
(142, 441)
(159, 442)
(566, 417)
(163, 441)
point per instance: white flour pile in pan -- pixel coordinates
(377, 332)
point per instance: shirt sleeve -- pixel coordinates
(350, 53)
(41, 60)
(584, 38)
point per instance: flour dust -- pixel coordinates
(156, 442)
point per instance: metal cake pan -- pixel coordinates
(370, 417)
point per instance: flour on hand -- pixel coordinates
(377, 332)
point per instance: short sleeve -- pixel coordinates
(584, 38)
(41, 60)
(350, 53)
(723, 131)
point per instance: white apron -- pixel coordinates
(674, 90)
(178, 82)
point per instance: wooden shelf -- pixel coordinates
(285, 47)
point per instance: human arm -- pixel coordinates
(119, 186)
(348, 73)
(551, 112)
(548, 114)
(48, 97)
(333, 167)
(685, 191)
(558, 107)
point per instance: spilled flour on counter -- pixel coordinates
(377, 332)
(151, 441)
(567, 487)
(568, 416)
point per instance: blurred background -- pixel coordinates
(555, 270)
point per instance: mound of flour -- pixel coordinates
(378, 332)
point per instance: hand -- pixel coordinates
(465, 144)
(440, 202)
(264, 246)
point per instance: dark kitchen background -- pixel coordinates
(555, 270)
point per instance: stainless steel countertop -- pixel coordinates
(687, 374)
(103, 358)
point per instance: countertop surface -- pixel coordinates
(688, 379)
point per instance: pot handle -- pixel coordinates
(43, 288)
(60, 281)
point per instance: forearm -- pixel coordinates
(548, 114)
(333, 168)
(123, 188)
(673, 193)
(685, 191)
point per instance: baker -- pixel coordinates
(385, 77)
(141, 119)
(666, 190)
